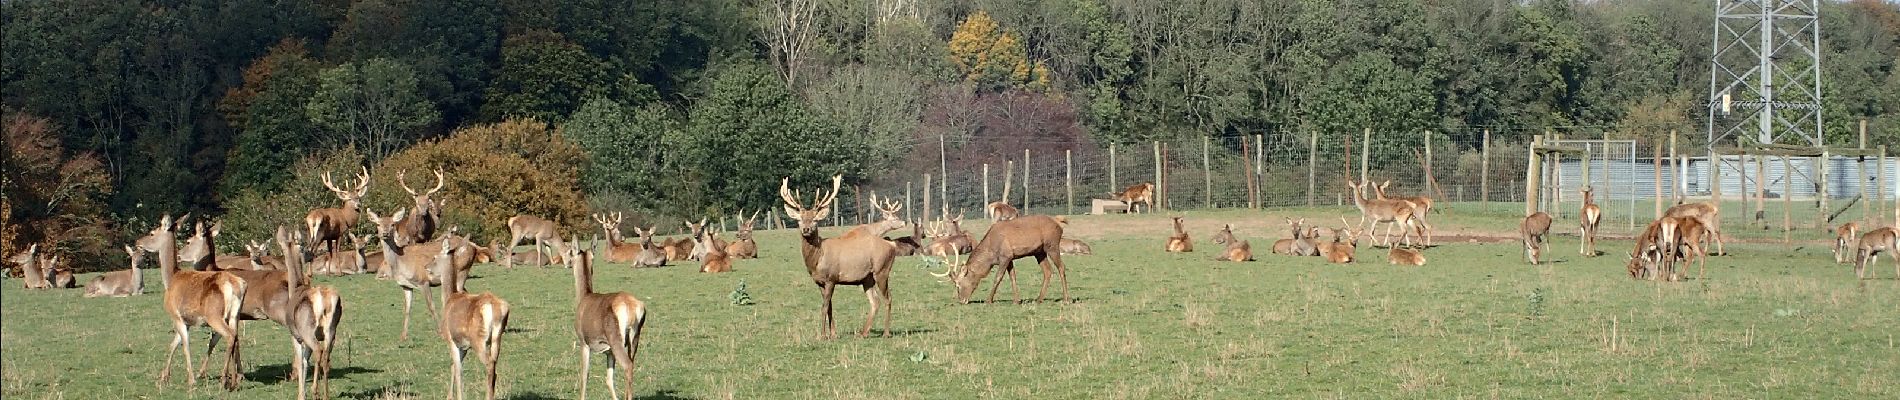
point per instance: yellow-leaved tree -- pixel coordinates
(994, 58)
(494, 171)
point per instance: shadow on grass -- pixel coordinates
(386, 392)
(664, 394)
(1051, 301)
(274, 374)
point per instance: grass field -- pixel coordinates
(1770, 321)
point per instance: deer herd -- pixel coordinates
(417, 252)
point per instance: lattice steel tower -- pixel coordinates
(1765, 73)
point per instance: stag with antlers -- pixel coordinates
(605, 322)
(742, 246)
(859, 257)
(195, 298)
(327, 226)
(425, 216)
(617, 249)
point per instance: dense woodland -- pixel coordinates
(117, 111)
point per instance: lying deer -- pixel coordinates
(1236, 249)
(1404, 256)
(30, 262)
(1345, 244)
(859, 257)
(693, 248)
(909, 245)
(62, 275)
(650, 254)
(1179, 242)
(742, 246)
(1846, 237)
(605, 323)
(618, 251)
(469, 321)
(353, 262)
(1073, 247)
(119, 283)
(951, 241)
(195, 298)
(714, 258)
(1872, 244)
(1299, 244)
(1531, 233)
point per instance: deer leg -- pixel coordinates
(509, 260)
(586, 358)
(298, 361)
(1043, 261)
(179, 339)
(211, 345)
(1014, 293)
(232, 377)
(999, 282)
(624, 360)
(408, 299)
(870, 315)
(455, 372)
(824, 332)
(491, 357)
(884, 290)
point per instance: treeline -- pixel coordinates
(683, 108)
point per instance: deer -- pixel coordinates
(617, 249)
(1179, 242)
(195, 298)
(1846, 236)
(541, 230)
(1589, 217)
(353, 262)
(860, 257)
(692, 247)
(910, 245)
(1708, 215)
(1000, 210)
(1345, 244)
(1141, 193)
(1393, 212)
(1421, 205)
(1531, 233)
(604, 322)
(258, 257)
(62, 276)
(408, 266)
(1688, 238)
(425, 216)
(714, 260)
(651, 255)
(1038, 236)
(742, 246)
(314, 313)
(469, 321)
(1872, 244)
(327, 226)
(270, 294)
(951, 241)
(119, 283)
(1300, 245)
(1404, 256)
(30, 262)
(1236, 250)
(1075, 247)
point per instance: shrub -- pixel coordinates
(494, 172)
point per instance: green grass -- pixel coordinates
(1769, 322)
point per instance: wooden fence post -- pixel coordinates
(1880, 181)
(1160, 192)
(1113, 185)
(907, 205)
(1484, 172)
(926, 211)
(1068, 179)
(1787, 200)
(986, 186)
(1658, 161)
(1365, 156)
(1253, 191)
(943, 175)
(1207, 174)
(1025, 181)
(1533, 175)
(1259, 154)
(1312, 166)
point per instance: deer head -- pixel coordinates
(609, 224)
(888, 210)
(695, 228)
(1225, 235)
(352, 199)
(423, 204)
(808, 217)
(386, 226)
(646, 236)
(745, 228)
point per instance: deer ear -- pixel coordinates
(822, 214)
(791, 212)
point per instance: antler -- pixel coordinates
(362, 182)
(836, 181)
(402, 180)
(439, 181)
(332, 185)
(785, 193)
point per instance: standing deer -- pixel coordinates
(617, 249)
(1590, 216)
(541, 231)
(1872, 244)
(469, 321)
(1421, 205)
(314, 312)
(425, 217)
(742, 246)
(1074, 247)
(408, 266)
(1141, 193)
(1179, 242)
(1038, 236)
(1846, 237)
(859, 257)
(1688, 237)
(195, 298)
(1392, 212)
(1531, 232)
(1236, 249)
(1708, 215)
(271, 294)
(119, 283)
(605, 322)
(328, 225)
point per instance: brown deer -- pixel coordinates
(469, 321)
(742, 246)
(912, 244)
(1000, 210)
(1392, 212)
(540, 230)
(1708, 215)
(1038, 236)
(195, 298)
(1872, 244)
(1179, 242)
(425, 216)
(271, 294)
(62, 275)
(951, 241)
(1345, 244)
(1646, 258)
(618, 251)
(328, 225)
(1590, 216)
(1074, 247)
(714, 260)
(651, 255)
(1421, 206)
(1404, 256)
(859, 257)
(694, 251)
(1236, 249)
(119, 283)
(353, 262)
(1141, 193)
(314, 313)
(31, 263)
(1846, 237)
(605, 322)
(408, 265)
(1531, 233)
(1688, 238)
(1301, 244)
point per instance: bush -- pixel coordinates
(255, 214)
(494, 172)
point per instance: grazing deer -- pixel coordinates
(119, 283)
(1708, 215)
(195, 298)
(1141, 193)
(742, 246)
(469, 321)
(425, 217)
(1392, 212)
(31, 263)
(1589, 217)
(1036, 236)
(407, 265)
(1074, 247)
(1421, 205)
(1179, 242)
(1404, 256)
(617, 249)
(714, 260)
(651, 255)
(1846, 237)
(1872, 244)
(328, 225)
(1646, 258)
(859, 257)
(542, 231)
(314, 313)
(605, 322)
(1531, 232)
(1236, 249)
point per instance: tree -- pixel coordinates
(372, 105)
(268, 110)
(788, 31)
(749, 131)
(54, 199)
(993, 58)
(543, 76)
(517, 166)
(626, 148)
